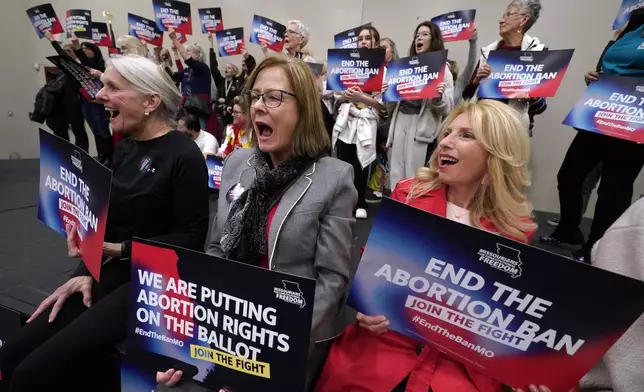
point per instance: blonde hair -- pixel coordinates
(133, 45)
(500, 200)
(197, 49)
(150, 78)
(310, 137)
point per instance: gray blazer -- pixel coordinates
(310, 234)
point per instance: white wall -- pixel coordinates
(563, 24)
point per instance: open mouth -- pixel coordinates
(263, 130)
(446, 160)
(113, 113)
(419, 46)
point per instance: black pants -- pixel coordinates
(349, 154)
(69, 354)
(60, 127)
(621, 162)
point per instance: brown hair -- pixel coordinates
(310, 137)
(453, 67)
(375, 36)
(241, 102)
(435, 40)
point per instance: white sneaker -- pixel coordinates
(361, 213)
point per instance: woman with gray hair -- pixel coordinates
(159, 192)
(517, 19)
(196, 81)
(296, 37)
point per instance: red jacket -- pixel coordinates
(362, 361)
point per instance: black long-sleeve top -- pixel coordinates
(220, 81)
(159, 192)
(97, 62)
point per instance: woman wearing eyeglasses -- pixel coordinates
(285, 205)
(295, 39)
(518, 18)
(239, 133)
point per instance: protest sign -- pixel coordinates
(230, 41)
(457, 25)
(215, 167)
(114, 53)
(415, 77)
(317, 69)
(268, 32)
(225, 324)
(613, 106)
(355, 67)
(10, 325)
(211, 20)
(491, 303)
(625, 11)
(145, 29)
(89, 85)
(101, 35)
(74, 188)
(43, 18)
(79, 23)
(516, 74)
(349, 39)
(173, 14)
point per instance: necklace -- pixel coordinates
(453, 210)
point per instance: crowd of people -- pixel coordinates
(294, 181)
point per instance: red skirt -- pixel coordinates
(362, 361)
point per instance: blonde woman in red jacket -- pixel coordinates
(476, 177)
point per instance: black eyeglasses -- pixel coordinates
(271, 98)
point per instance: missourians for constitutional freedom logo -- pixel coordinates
(505, 259)
(291, 293)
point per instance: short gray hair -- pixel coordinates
(301, 30)
(150, 78)
(394, 50)
(197, 48)
(531, 8)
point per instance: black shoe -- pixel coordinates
(580, 256)
(554, 239)
(374, 198)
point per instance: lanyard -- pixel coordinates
(228, 86)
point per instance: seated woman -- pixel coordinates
(285, 205)
(491, 148)
(160, 192)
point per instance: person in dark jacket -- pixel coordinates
(248, 65)
(621, 160)
(195, 79)
(95, 114)
(165, 199)
(66, 110)
(228, 85)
